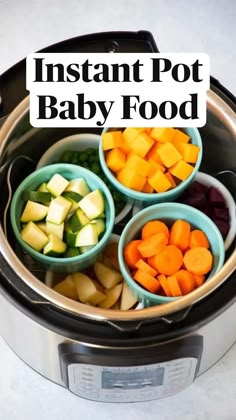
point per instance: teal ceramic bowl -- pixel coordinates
(146, 198)
(168, 213)
(69, 172)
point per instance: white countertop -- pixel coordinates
(178, 26)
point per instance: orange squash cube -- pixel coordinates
(163, 135)
(140, 165)
(153, 153)
(182, 170)
(115, 159)
(154, 167)
(141, 144)
(159, 182)
(111, 139)
(180, 136)
(130, 133)
(147, 188)
(189, 152)
(171, 179)
(130, 179)
(168, 154)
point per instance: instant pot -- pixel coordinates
(110, 355)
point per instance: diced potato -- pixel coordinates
(110, 255)
(181, 170)
(107, 276)
(112, 295)
(127, 298)
(88, 290)
(67, 288)
(159, 182)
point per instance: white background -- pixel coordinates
(178, 26)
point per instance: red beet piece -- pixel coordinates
(197, 200)
(215, 198)
(208, 211)
(222, 226)
(221, 213)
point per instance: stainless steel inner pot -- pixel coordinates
(17, 138)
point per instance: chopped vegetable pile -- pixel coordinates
(101, 285)
(150, 160)
(211, 202)
(170, 262)
(63, 218)
(89, 159)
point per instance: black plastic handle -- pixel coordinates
(13, 81)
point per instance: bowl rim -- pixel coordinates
(71, 142)
(65, 260)
(152, 297)
(141, 196)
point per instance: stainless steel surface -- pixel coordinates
(221, 126)
(37, 345)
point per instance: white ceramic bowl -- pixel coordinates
(211, 181)
(77, 142)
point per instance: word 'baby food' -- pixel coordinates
(83, 90)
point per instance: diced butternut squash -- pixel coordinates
(141, 144)
(168, 154)
(154, 167)
(189, 152)
(181, 170)
(180, 136)
(130, 133)
(163, 135)
(115, 159)
(171, 179)
(159, 182)
(129, 178)
(111, 139)
(141, 166)
(153, 153)
(147, 188)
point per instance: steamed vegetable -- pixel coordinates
(149, 160)
(174, 261)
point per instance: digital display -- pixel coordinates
(132, 379)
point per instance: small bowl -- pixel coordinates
(77, 142)
(70, 172)
(210, 181)
(156, 197)
(168, 212)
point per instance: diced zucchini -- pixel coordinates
(78, 186)
(72, 196)
(37, 196)
(87, 235)
(42, 226)
(55, 247)
(70, 238)
(34, 236)
(102, 216)
(57, 185)
(72, 252)
(93, 204)
(78, 220)
(58, 210)
(43, 187)
(100, 223)
(84, 249)
(33, 212)
(56, 230)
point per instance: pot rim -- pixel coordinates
(228, 117)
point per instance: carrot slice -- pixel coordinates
(152, 245)
(199, 279)
(174, 286)
(154, 226)
(164, 284)
(147, 281)
(131, 253)
(198, 238)
(168, 261)
(142, 265)
(186, 281)
(179, 234)
(198, 260)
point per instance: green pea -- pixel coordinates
(66, 156)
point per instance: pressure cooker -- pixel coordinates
(101, 354)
